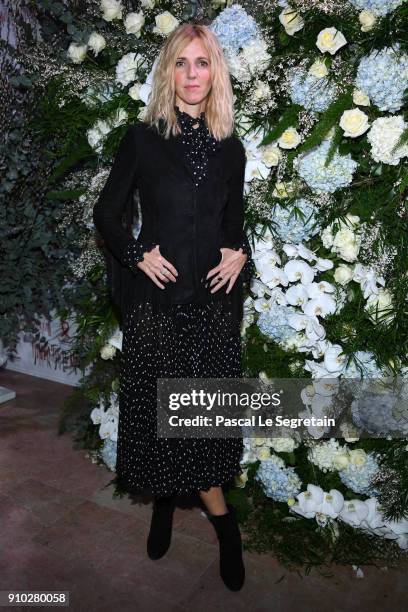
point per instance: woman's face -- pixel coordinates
(192, 75)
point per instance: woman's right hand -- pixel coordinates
(157, 267)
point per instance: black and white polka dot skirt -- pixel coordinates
(184, 341)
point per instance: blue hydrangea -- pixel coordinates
(291, 226)
(274, 322)
(235, 28)
(108, 453)
(325, 179)
(378, 7)
(365, 364)
(383, 75)
(314, 93)
(358, 478)
(279, 482)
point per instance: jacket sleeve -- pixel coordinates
(233, 235)
(112, 203)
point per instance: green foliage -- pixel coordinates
(289, 118)
(327, 120)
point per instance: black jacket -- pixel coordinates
(190, 223)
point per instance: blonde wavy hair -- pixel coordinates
(219, 110)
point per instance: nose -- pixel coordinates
(191, 72)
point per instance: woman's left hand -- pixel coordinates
(228, 270)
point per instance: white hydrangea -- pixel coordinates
(328, 456)
(383, 136)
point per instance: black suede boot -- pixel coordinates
(232, 569)
(159, 537)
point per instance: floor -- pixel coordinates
(60, 530)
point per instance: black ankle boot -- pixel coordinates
(232, 569)
(159, 537)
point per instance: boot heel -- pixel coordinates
(159, 537)
(232, 569)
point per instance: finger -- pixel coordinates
(156, 282)
(162, 276)
(220, 284)
(165, 274)
(169, 274)
(225, 270)
(169, 266)
(213, 271)
(232, 282)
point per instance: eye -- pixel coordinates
(179, 62)
(204, 62)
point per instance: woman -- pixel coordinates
(186, 268)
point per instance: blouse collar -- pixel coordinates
(186, 121)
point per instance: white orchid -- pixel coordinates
(271, 275)
(297, 270)
(322, 265)
(320, 306)
(354, 512)
(334, 359)
(299, 250)
(297, 295)
(368, 279)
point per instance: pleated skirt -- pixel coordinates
(178, 341)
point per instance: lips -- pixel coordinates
(192, 86)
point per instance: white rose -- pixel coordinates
(96, 42)
(134, 22)
(330, 40)
(318, 69)
(289, 139)
(108, 351)
(360, 98)
(382, 302)
(341, 460)
(270, 155)
(258, 441)
(358, 457)
(263, 454)
(134, 91)
(367, 20)
(149, 4)
(354, 122)
(112, 9)
(77, 52)
(343, 274)
(346, 244)
(165, 23)
(291, 21)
